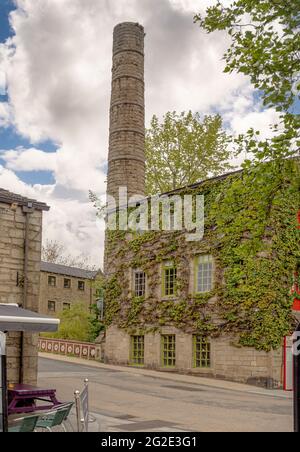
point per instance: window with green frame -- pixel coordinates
(169, 279)
(204, 274)
(202, 352)
(168, 350)
(139, 283)
(137, 351)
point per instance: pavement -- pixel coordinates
(126, 399)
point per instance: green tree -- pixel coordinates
(78, 324)
(183, 149)
(96, 324)
(265, 45)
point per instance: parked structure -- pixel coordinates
(61, 286)
(20, 256)
(170, 303)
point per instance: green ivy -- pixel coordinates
(251, 230)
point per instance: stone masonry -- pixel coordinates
(127, 168)
(126, 161)
(67, 290)
(244, 365)
(13, 212)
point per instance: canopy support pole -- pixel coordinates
(3, 385)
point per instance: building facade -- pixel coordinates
(219, 306)
(62, 286)
(20, 256)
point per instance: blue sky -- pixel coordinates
(54, 126)
(6, 7)
(9, 138)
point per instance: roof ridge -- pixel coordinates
(8, 197)
(68, 270)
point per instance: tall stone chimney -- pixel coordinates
(126, 158)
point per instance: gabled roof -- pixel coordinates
(64, 270)
(8, 197)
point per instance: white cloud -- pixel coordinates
(21, 159)
(70, 221)
(58, 69)
(259, 120)
(5, 114)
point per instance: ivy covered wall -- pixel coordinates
(251, 230)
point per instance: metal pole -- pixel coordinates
(3, 384)
(296, 360)
(86, 384)
(77, 404)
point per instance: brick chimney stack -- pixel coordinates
(126, 158)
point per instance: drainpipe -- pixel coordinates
(27, 210)
(91, 296)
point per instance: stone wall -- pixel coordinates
(188, 311)
(126, 160)
(84, 350)
(60, 295)
(244, 365)
(12, 246)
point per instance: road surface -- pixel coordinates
(131, 402)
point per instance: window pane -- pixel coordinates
(52, 281)
(137, 350)
(170, 276)
(81, 285)
(204, 274)
(67, 283)
(168, 351)
(139, 284)
(202, 352)
(51, 306)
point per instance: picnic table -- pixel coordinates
(24, 399)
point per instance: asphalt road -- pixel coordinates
(126, 401)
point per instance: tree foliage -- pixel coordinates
(251, 230)
(183, 150)
(265, 45)
(78, 324)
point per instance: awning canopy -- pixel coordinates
(13, 318)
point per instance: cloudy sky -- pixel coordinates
(55, 68)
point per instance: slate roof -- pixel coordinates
(8, 197)
(57, 269)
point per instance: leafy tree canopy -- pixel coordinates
(78, 324)
(265, 45)
(184, 149)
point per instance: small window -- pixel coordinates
(52, 281)
(202, 352)
(169, 279)
(81, 285)
(66, 306)
(139, 283)
(51, 306)
(137, 350)
(168, 350)
(67, 283)
(204, 274)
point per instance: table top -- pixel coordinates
(27, 389)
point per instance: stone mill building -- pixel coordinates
(207, 307)
(20, 259)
